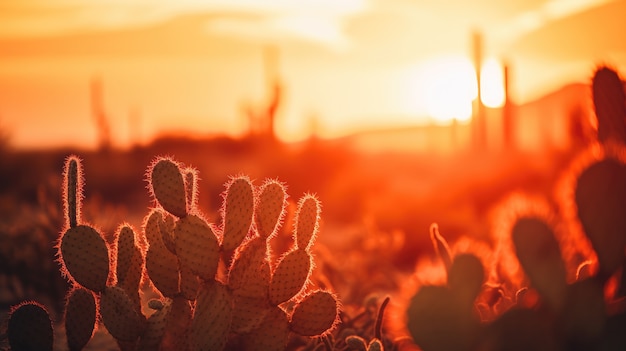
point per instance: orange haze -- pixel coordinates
(186, 67)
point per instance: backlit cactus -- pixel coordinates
(179, 253)
(610, 104)
(80, 317)
(30, 327)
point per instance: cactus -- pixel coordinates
(30, 327)
(600, 199)
(212, 317)
(314, 313)
(168, 187)
(83, 253)
(179, 253)
(237, 212)
(610, 104)
(80, 317)
(539, 254)
(119, 315)
(130, 262)
(436, 313)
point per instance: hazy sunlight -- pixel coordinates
(452, 87)
(492, 89)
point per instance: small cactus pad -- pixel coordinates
(272, 335)
(466, 277)
(191, 187)
(250, 269)
(610, 104)
(119, 316)
(72, 190)
(152, 227)
(130, 264)
(584, 314)
(355, 342)
(539, 254)
(167, 226)
(178, 322)
(375, 345)
(601, 200)
(315, 314)
(168, 186)
(237, 212)
(80, 317)
(290, 276)
(197, 246)
(270, 208)
(161, 264)
(85, 257)
(155, 327)
(162, 268)
(189, 283)
(212, 317)
(249, 313)
(307, 218)
(441, 246)
(30, 328)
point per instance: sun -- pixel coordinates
(451, 87)
(492, 79)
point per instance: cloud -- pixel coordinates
(54, 17)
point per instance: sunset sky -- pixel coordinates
(194, 65)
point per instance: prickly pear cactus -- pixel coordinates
(30, 327)
(179, 253)
(83, 253)
(80, 317)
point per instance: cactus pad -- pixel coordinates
(272, 335)
(601, 200)
(315, 314)
(130, 264)
(168, 186)
(119, 316)
(290, 276)
(466, 277)
(610, 104)
(270, 208)
(189, 283)
(540, 256)
(155, 327)
(197, 246)
(30, 327)
(237, 212)
(249, 273)
(212, 317)
(72, 190)
(248, 313)
(162, 267)
(80, 317)
(307, 218)
(85, 257)
(178, 321)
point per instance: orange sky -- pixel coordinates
(358, 64)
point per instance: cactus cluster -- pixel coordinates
(219, 287)
(550, 312)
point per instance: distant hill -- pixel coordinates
(560, 120)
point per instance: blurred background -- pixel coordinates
(396, 113)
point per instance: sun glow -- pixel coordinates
(492, 88)
(451, 87)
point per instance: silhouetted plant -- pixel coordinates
(255, 304)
